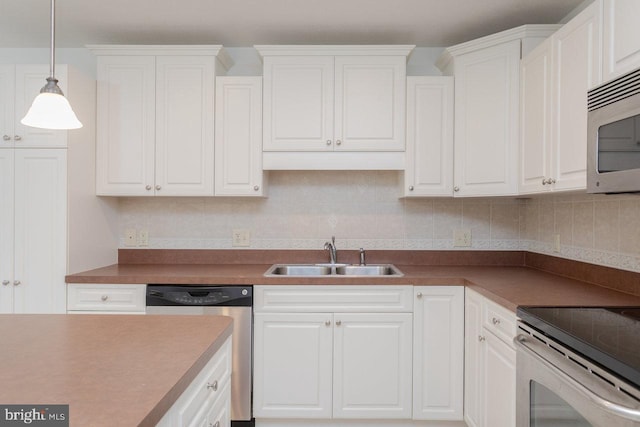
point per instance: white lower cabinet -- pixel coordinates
(207, 400)
(345, 359)
(101, 298)
(358, 355)
(490, 363)
(438, 352)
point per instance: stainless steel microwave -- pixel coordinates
(613, 157)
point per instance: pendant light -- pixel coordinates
(50, 109)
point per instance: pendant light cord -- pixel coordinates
(53, 39)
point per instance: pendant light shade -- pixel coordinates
(50, 109)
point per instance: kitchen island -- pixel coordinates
(122, 370)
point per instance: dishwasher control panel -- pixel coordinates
(166, 294)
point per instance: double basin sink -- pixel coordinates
(334, 270)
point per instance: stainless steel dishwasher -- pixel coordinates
(233, 301)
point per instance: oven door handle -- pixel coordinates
(611, 407)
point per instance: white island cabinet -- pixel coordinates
(155, 130)
(334, 107)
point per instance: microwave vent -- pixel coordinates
(615, 90)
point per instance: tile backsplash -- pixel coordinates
(362, 209)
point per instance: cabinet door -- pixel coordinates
(473, 359)
(486, 126)
(535, 120)
(429, 159)
(7, 94)
(499, 389)
(298, 103)
(292, 365)
(438, 350)
(239, 136)
(6, 230)
(29, 79)
(125, 138)
(184, 125)
(372, 365)
(40, 230)
(621, 37)
(370, 103)
(576, 70)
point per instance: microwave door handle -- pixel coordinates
(611, 407)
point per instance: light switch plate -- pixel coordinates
(143, 238)
(130, 237)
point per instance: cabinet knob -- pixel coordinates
(419, 295)
(5, 282)
(104, 297)
(16, 282)
(6, 137)
(17, 138)
(481, 338)
(148, 187)
(158, 188)
(213, 386)
(456, 188)
(411, 188)
(544, 181)
(495, 321)
(338, 322)
(338, 142)
(328, 142)
(552, 181)
(256, 187)
(327, 322)
(217, 424)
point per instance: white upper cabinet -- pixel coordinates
(19, 85)
(429, 159)
(555, 80)
(487, 99)
(156, 119)
(238, 142)
(621, 37)
(332, 100)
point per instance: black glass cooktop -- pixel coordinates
(609, 336)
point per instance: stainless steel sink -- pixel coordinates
(336, 270)
(368, 270)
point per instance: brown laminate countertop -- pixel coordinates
(509, 286)
(124, 370)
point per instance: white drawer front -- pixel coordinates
(333, 299)
(212, 382)
(499, 321)
(102, 297)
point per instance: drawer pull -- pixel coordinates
(213, 386)
(495, 321)
(104, 297)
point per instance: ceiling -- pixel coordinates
(234, 23)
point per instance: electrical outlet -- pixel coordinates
(130, 237)
(241, 238)
(462, 237)
(556, 243)
(143, 238)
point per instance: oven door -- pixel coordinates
(554, 390)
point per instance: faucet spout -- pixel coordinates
(333, 252)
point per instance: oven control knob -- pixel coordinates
(245, 292)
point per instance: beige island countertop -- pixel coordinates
(123, 370)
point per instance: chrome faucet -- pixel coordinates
(331, 247)
(362, 255)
